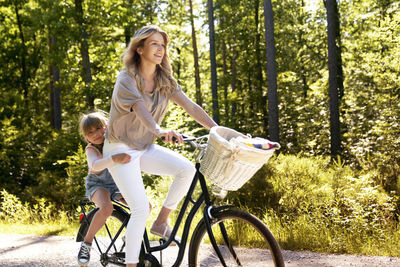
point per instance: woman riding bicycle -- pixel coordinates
(139, 103)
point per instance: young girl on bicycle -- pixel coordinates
(139, 103)
(100, 187)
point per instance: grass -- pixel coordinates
(298, 233)
(321, 235)
(318, 206)
(39, 228)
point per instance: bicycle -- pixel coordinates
(224, 236)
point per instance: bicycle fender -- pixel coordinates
(85, 224)
(211, 213)
(215, 210)
(207, 221)
(88, 218)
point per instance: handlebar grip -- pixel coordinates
(173, 138)
(185, 138)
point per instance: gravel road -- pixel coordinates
(47, 251)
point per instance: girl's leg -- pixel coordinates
(101, 198)
(162, 161)
(129, 181)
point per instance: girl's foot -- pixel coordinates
(84, 254)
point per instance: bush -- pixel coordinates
(12, 210)
(314, 204)
(66, 186)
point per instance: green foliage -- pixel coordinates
(38, 217)
(37, 160)
(21, 146)
(12, 210)
(61, 179)
(334, 233)
(313, 204)
(312, 183)
(294, 184)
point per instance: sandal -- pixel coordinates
(163, 230)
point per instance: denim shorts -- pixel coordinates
(94, 182)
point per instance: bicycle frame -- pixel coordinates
(212, 215)
(207, 215)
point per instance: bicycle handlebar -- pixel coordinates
(187, 138)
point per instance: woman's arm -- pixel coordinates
(97, 163)
(194, 110)
(145, 117)
(148, 121)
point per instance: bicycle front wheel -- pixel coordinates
(242, 239)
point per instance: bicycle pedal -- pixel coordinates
(119, 254)
(173, 242)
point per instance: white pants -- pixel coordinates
(156, 160)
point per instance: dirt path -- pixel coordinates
(45, 251)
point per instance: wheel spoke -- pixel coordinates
(242, 239)
(105, 236)
(228, 243)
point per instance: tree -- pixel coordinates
(234, 76)
(273, 113)
(214, 85)
(55, 98)
(261, 99)
(199, 99)
(129, 27)
(55, 94)
(335, 73)
(24, 72)
(84, 49)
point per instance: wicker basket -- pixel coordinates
(230, 164)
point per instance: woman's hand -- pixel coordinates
(170, 136)
(121, 158)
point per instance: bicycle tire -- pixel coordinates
(104, 236)
(253, 243)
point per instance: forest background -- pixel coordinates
(60, 59)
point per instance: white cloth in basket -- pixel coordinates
(256, 142)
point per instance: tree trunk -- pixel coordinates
(250, 96)
(234, 72)
(24, 72)
(214, 86)
(261, 101)
(84, 49)
(335, 74)
(302, 69)
(55, 99)
(225, 69)
(129, 30)
(199, 99)
(178, 67)
(273, 114)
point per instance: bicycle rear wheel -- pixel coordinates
(246, 242)
(104, 237)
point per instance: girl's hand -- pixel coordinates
(121, 158)
(170, 136)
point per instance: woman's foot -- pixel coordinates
(163, 230)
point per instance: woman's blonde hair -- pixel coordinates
(164, 82)
(90, 121)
